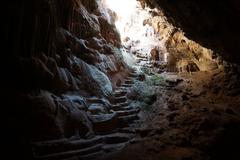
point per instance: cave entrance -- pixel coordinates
(142, 41)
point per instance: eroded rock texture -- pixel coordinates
(211, 23)
(63, 62)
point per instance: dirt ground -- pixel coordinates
(195, 117)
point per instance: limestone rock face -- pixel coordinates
(52, 117)
(175, 47)
(63, 52)
(155, 54)
(206, 22)
(109, 33)
(185, 52)
(67, 61)
(187, 66)
(34, 69)
(91, 75)
(42, 121)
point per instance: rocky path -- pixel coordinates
(188, 121)
(142, 60)
(112, 129)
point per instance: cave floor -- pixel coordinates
(190, 119)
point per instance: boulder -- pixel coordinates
(93, 76)
(77, 123)
(87, 24)
(60, 81)
(97, 108)
(187, 66)
(35, 72)
(76, 99)
(50, 117)
(103, 123)
(52, 65)
(80, 122)
(71, 80)
(61, 39)
(192, 67)
(41, 117)
(154, 54)
(109, 32)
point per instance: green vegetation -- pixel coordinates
(144, 94)
(147, 70)
(158, 80)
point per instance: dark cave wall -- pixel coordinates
(213, 24)
(49, 28)
(43, 37)
(30, 30)
(30, 26)
(53, 48)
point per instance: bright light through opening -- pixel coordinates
(124, 10)
(129, 22)
(136, 35)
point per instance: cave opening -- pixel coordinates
(150, 40)
(142, 41)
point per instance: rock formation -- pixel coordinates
(75, 88)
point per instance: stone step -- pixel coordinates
(116, 107)
(148, 65)
(119, 108)
(116, 138)
(128, 81)
(120, 93)
(83, 149)
(127, 119)
(113, 147)
(133, 70)
(71, 158)
(130, 78)
(95, 100)
(141, 56)
(96, 108)
(127, 112)
(142, 59)
(127, 130)
(50, 147)
(105, 123)
(122, 99)
(132, 75)
(119, 105)
(129, 108)
(126, 85)
(103, 117)
(123, 88)
(124, 104)
(92, 156)
(72, 153)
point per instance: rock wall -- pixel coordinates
(189, 56)
(183, 54)
(211, 23)
(60, 54)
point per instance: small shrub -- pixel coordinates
(158, 80)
